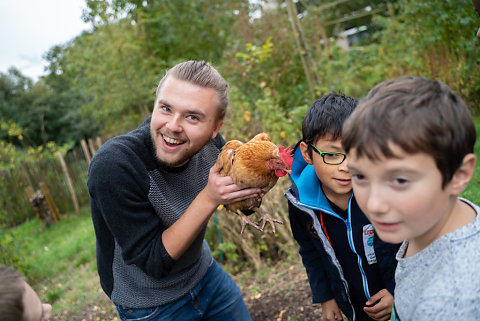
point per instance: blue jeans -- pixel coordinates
(215, 297)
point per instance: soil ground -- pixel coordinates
(280, 293)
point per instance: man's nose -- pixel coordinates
(174, 124)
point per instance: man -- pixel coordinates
(152, 192)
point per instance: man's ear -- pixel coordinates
(217, 128)
(464, 174)
(306, 155)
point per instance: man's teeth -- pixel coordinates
(171, 140)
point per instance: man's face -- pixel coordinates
(402, 196)
(336, 180)
(34, 310)
(184, 119)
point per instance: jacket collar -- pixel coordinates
(306, 186)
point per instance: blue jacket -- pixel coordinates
(325, 274)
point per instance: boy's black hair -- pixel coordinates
(326, 117)
(417, 114)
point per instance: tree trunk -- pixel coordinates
(307, 59)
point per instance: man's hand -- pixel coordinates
(222, 190)
(382, 310)
(331, 311)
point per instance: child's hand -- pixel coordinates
(331, 311)
(382, 310)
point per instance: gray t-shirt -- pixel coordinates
(442, 282)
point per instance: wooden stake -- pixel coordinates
(69, 181)
(99, 142)
(92, 146)
(85, 150)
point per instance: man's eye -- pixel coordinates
(192, 117)
(164, 108)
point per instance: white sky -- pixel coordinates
(29, 28)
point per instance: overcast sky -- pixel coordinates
(29, 28)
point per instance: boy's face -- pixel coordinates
(336, 180)
(402, 197)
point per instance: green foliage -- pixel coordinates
(43, 113)
(9, 252)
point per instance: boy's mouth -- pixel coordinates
(386, 226)
(343, 182)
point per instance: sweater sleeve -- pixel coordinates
(118, 185)
(311, 257)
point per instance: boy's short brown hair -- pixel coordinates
(416, 114)
(11, 294)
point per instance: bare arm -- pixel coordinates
(219, 190)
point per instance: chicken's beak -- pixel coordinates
(289, 171)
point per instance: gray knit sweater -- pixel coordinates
(442, 282)
(133, 200)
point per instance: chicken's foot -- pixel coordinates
(246, 221)
(265, 217)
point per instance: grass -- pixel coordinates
(59, 262)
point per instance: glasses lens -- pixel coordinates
(333, 158)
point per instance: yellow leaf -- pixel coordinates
(246, 115)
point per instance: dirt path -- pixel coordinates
(284, 295)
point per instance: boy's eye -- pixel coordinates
(332, 156)
(400, 181)
(358, 177)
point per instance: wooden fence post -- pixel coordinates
(85, 150)
(51, 204)
(69, 181)
(99, 142)
(92, 147)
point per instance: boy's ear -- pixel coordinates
(305, 153)
(464, 174)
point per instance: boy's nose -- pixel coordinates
(343, 165)
(376, 202)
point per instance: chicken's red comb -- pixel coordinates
(286, 155)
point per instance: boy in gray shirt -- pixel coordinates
(410, 145)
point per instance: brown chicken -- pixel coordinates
(256, 163)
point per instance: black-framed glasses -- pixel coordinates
(331, 158)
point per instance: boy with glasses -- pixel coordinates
(349, 269)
